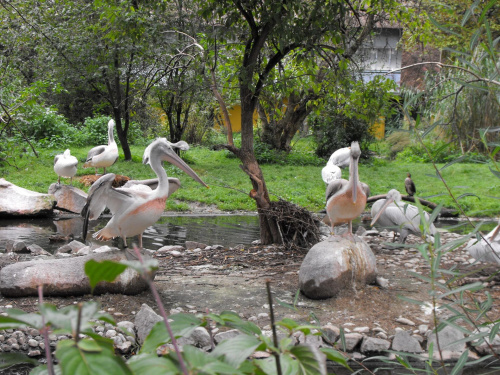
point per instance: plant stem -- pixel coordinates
(48, 353)
(162, 312)
(273, 326)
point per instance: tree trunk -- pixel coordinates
(269, 232)
(122, 135)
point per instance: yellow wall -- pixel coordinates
(378, 128)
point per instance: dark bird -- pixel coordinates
(346, 200)
(410, 186)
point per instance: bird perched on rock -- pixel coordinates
(135, 209)
(346, 200)
(399, 217)
(103, 156)
(65, 165)
(410, 186)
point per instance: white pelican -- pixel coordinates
(65, 166)
(346, 200)
(103, 156)
(136, 208)
(400, 217)
(341, 158)
(410, 186)
(487, 249)
(331, 172)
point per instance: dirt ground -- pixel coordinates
(209, 280)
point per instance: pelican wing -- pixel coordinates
(366, 189)
(95, 151)
(334, 187)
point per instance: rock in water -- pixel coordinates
(17, 201)
(66, 277)
(336, 264)
(68, 197)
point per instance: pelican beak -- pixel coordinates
(355, 190)
(174, 159)
(495, 233)
(386, 204)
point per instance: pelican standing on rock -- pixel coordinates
(65, 165)
(346, 200)
(410, 186)
(103, 156)
(397, 216)
(486, 249)
(135, 209)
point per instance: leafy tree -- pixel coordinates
(264, 35)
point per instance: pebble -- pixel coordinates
(408, 322)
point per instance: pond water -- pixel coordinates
(225, 230)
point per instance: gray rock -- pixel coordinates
(68, 198)
(168, 249)
(201, 337)
(331, 332)
(145, 319)
(374, 345)
(219, 337)
(403, 342)
(487, 346)
(16, 246)
(65, 277)
(405, 321)
(381, 282)
(127, 327)
(334, 265)
(351, 341)
(191, 245)
(447, 338)
(17, 201)
(36, 250)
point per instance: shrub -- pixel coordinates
(334, 131)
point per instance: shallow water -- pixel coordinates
(225, 230)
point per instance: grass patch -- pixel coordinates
(299, 184)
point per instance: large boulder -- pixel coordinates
(68, 197)
(336, 264)
(66, 277)
(17, 201)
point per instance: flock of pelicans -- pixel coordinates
(135, 207)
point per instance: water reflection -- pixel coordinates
(225, 230)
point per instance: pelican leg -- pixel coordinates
(59, 180)
(140, 241)
(104, 172)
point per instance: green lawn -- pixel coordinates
(229, 186)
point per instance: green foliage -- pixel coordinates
(334, 131)
(397, 142)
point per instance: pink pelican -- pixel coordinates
(346, 200)
(400, 217)
(103, 156)
(65, 166)
(486, 249)
(136, 208)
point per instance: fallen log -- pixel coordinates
(445, 212)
